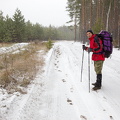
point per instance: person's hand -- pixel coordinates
(89, 50)
(84, 47)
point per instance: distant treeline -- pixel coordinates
(15, 29)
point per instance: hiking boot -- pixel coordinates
(94, 83)
(96, 88)
(97, 84)
(99, 80)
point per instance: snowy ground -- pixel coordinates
(59, 94)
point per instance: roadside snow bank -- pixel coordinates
(12, 48)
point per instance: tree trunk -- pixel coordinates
(102, 12)
(118, 25)
(75, 26)
(108, 16)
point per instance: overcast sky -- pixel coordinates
(45, 12)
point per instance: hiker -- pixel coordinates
(98, 57)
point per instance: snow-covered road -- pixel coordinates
(58, 94)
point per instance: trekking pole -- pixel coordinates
(82, 65)
(89, 69)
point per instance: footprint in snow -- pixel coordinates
(71, 89)
(111, 117)
(63, 80)
(55, 64)
(104, 110)
(57, 67)
(83, 117)
(104, 97)
(69, 101)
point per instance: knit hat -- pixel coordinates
(90, 31)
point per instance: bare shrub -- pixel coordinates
(19, 69)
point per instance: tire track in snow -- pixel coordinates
(61, 100)
(70, 97)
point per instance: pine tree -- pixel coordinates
(37, 31)
(8, 29)
(29, 31)
(2, 30)
(19, 26)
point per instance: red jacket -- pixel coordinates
(97, 47)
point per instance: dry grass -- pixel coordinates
(18, 70)
(6, 44)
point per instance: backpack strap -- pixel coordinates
(97, 40)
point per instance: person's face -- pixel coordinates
(89, 34)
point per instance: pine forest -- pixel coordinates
(96, 15)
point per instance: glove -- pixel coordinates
(84, 47)
(89, 50)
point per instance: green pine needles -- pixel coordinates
(49, 44)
